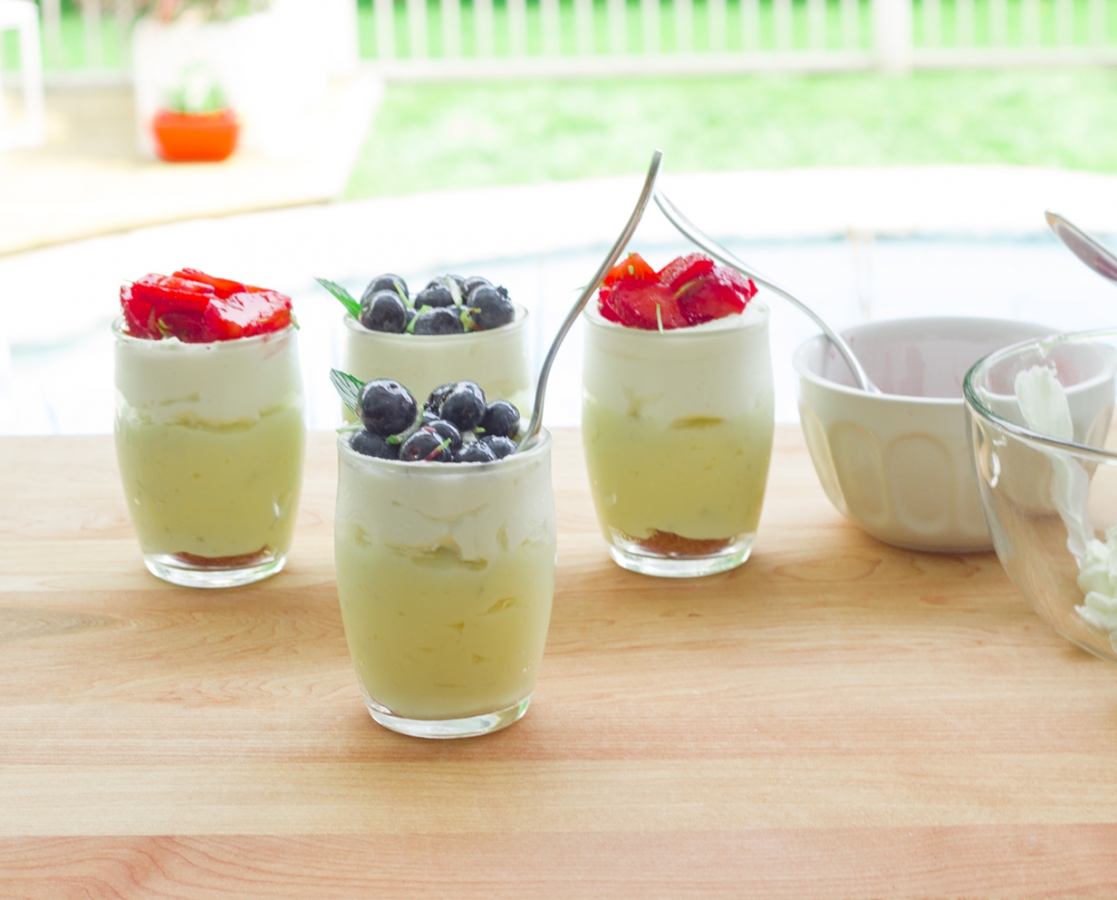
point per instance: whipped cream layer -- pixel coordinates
(476, 510)
(171, 382)
(717, 370)
(497, 360)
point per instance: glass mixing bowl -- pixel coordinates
(1038, 417)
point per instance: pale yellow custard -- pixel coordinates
(677, 428)
(698, 478)
(445, 574)
(210, 444)
(212, 489)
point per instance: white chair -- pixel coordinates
(23, 16)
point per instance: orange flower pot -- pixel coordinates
(195, 137)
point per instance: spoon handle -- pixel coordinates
(1087, 248)
(611, 260)
(689, 230)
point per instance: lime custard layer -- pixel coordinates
(445, 575)
(699, 478)
(212, 489)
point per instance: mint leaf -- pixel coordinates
(349, 389)
(351, 306)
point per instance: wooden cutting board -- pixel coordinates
(836, 718)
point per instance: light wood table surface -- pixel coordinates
(836, 718)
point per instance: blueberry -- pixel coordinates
(429, 417)
(501, 446)
(436, 295)
(475, 452)
(384, 311)
(369, 444)
(387, 282)
(501, 419)
(458, 280)
(423, 445)
(387, 408)
(445, 430)
(438, 397)
(439, 321)
(491, 306)
(465, 406)
(474, 281)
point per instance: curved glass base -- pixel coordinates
(470, 726)
(635, 557)
(195, 571)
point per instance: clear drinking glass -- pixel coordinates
(497, 360)
(210, 442)
(445, 573)
(677, 428)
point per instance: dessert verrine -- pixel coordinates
(209, 426)
(445, 553)
(677, 415)
(454, 328)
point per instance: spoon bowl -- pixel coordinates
(1086, 247)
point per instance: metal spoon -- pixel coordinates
(611, 260)
(1088, 249)
(722, 255)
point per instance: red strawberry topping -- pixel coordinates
(677, 273)
(247, 314)
(720, 293)
(223, 287)
(688, 291)
(195, 307)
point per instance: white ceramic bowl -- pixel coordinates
(898, 464)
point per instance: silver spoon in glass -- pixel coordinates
(611, 260)
(724, 256)
(1087, 248)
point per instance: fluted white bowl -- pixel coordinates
(898, 464)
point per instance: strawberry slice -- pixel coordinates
(137, 314)
(246, 314)
(720, 292)
(223, 287)
(632, 268)
(188, 325)
(679, 272)
(170, 294)
(644, 305)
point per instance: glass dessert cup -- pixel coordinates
(677, 429)
(497, 360)
(1038, 418)
(210, 442)
(445, 574)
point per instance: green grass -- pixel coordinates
(439, 136)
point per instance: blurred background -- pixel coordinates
(880, 157)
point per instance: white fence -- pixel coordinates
(495, 38)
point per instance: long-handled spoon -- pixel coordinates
(611, 260)
(722, 255)
(1088, 249)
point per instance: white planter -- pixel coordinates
(272, 65)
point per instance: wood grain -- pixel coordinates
(837, 718)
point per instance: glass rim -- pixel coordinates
(175, 345)
(357, 328)
(978, 407)
(694, 332)
(540, 445)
